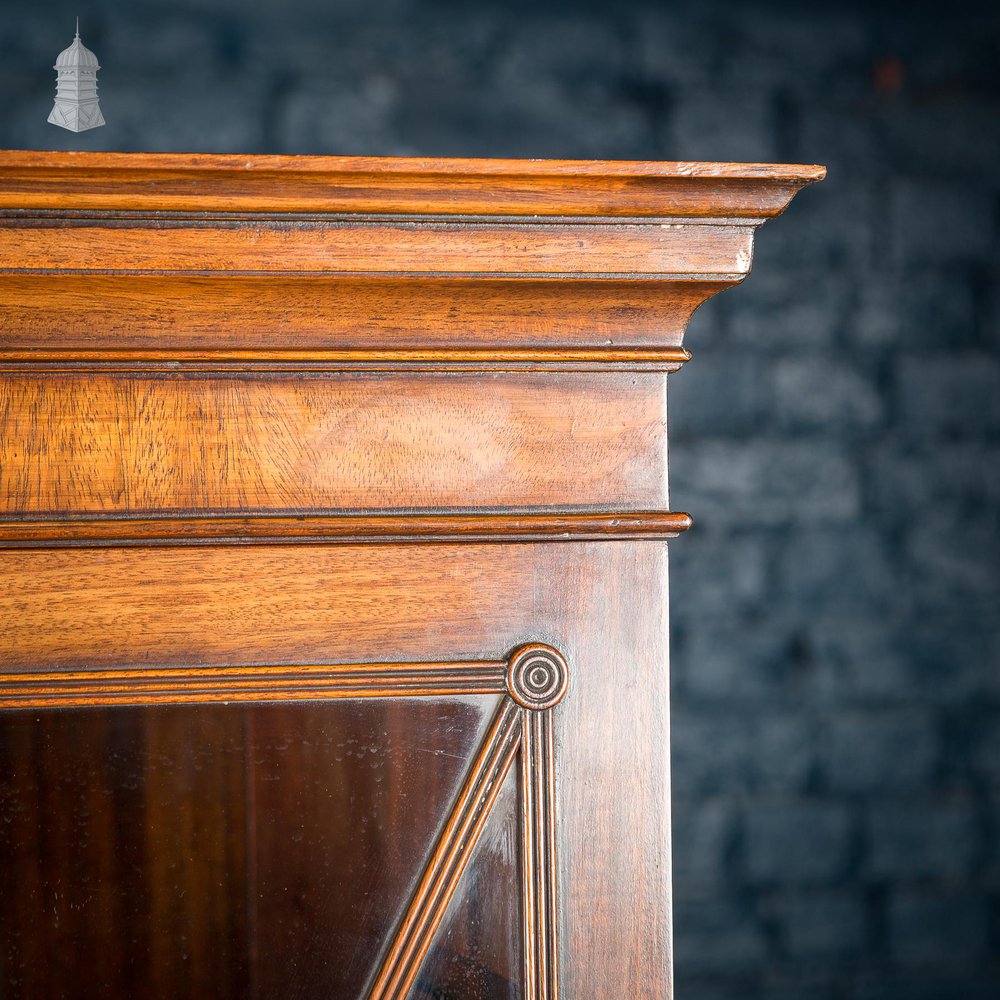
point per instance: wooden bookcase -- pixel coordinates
(333, 499)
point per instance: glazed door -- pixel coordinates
(185, 812)
(369, 842)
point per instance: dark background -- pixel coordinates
(837, 437)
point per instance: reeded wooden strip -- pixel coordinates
(302, 317)
(237, 684)
(308, 444)
(346, 528)
(364, 247)
(451, 855)
(538, 858)
(211, 182)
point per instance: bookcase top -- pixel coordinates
(40, 180)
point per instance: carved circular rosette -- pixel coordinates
(537, 676)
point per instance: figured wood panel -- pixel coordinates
(386, 248)
(131, 444)
(175, 608)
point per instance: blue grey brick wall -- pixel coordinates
(836, 608)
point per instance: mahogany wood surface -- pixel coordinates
(601, 604)
(305, 317)
(31, 180)
(333, 494)
(446, 248)
(305, 442)
(302, 529)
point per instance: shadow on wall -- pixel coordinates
(837, 610)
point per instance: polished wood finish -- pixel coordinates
(533, 681)
(354, 469)
(67, 688)
(342, 319)
(164, 182)
(435, 248)
(86, 444)
(122, 258)
(329, 528)
(602, 605)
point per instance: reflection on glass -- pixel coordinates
(218, 851)
(477, 949)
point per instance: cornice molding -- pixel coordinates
(377, 264)
(79, 181)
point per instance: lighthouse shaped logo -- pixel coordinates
(76, 106)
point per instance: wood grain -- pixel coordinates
(300, 317)
(603, 605)
(534, 249)
(214, 183)
(104, 444)
(332, 358)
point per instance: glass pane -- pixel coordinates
(218, 851)
(477, 950)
